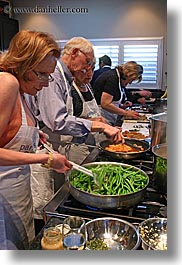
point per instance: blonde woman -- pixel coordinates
(110, 94)
(25, 68)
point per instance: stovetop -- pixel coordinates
(153, 204)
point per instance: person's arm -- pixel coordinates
(55, 161)
(106, 103)
(114, 133)
(99, 118)
(9, 91)
(134, 96)
(141, 101)
(145, 93)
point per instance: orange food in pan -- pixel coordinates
(122, 148)
(135, 135)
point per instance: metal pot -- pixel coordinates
(109, 201)
(158, 131)
(160, 169)
(160, 105)
(129, 155)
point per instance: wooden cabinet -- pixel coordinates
(8, 28)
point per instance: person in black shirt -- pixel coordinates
(110, 93)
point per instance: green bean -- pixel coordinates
(97, 244)
(115, 180)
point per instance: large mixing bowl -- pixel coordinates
(111, 233)
(153, 233)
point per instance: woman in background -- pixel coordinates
(109, 91)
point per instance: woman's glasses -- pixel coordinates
(43, 77)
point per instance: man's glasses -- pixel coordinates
(84, 71)
(43, 77)
(89, 63)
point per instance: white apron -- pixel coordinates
(15, 191)
(112, 117)
(78, 153)
(42, 186)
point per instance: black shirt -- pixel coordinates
(98, 72)
(77, 101)
(107, 82)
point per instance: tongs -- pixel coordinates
(75, 166)
(138, 148)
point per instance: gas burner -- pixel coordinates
(144, 167)
(153, 204)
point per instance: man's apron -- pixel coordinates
(78, 153)
(15, 192)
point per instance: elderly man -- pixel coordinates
(54, 104)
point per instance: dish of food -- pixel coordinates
(153, 232)
(124, 148)
(114, 179)
(122, 185)
(135, 135)
(150, 100)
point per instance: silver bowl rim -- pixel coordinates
(152, 219)
(121, 221)
(162, 219)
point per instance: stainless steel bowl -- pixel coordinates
(153, 233)
(116, 233)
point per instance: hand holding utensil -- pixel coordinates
(86, 171)
(75, 166)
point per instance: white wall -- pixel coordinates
(105, 19)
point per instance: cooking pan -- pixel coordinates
(128, 155)
(108, 201)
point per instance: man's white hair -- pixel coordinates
(79, 43)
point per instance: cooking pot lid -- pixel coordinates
(160, 150)
(160, 117)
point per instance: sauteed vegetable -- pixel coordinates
(161, 165)
(97, 244)
(115, 180)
